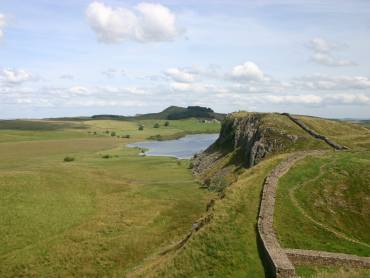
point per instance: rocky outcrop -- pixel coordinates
(246, 140)
(315, 134)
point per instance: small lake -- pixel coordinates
(183, 148)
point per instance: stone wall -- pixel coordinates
(276, 258)
(298, 257)
(315, 134)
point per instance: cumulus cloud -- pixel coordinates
(15, 77)
(180, 75)
(146, 22)
(248, 71)
(2, 25)
(323, 53)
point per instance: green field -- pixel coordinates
(322, 204)
(94, 216)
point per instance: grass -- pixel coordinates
(331, 272)
(94, 216)
(227, 246)
(353, 135)
(175, 129)
(332, 190)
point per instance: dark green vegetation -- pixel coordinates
(170, 113)
(322, 204)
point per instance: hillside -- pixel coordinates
(170, 113)
(250, 146)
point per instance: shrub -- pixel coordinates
(106, 156)
(141, 127)
(156, 125)
(113, 134)
(191, 165)
(167, 123)
(69, 159)
(126, 136)
(107, 131)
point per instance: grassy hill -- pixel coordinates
(227, 246)
(170, 113)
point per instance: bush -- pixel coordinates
(156, 125)
(69, 159)
(126, 136)
(141, 127)
(167, 123)
(112, 134)
(106, 156)
(191, 165)
(107, 131)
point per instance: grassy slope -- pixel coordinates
(349, 134)
(93, 216)
(333, 190)
(331, 272)
(227, 246)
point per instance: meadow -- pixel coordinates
(98, 215)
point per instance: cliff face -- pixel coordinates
(244, 141)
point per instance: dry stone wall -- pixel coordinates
(315, 134)
(299, 256)
(277, 260)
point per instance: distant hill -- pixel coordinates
(171, 113)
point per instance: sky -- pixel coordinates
(83, 57)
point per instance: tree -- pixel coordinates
(167, 123)
(141, 127)
(156, 125)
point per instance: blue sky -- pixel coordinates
(79, 57)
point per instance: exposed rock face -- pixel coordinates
(247, 138)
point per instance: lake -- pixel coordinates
(183, 148)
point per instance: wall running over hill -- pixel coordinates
(314, 133)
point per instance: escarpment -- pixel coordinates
(245, 139)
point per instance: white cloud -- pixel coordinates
(15, 77)
(2, 25)
(180, 75)
(248, 71)
(321, 45)
(79, 90)
(322, 53)
(322, 82)
(329, 60)
(146, 22)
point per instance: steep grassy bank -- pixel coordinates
(322, 204)
(227, 246)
